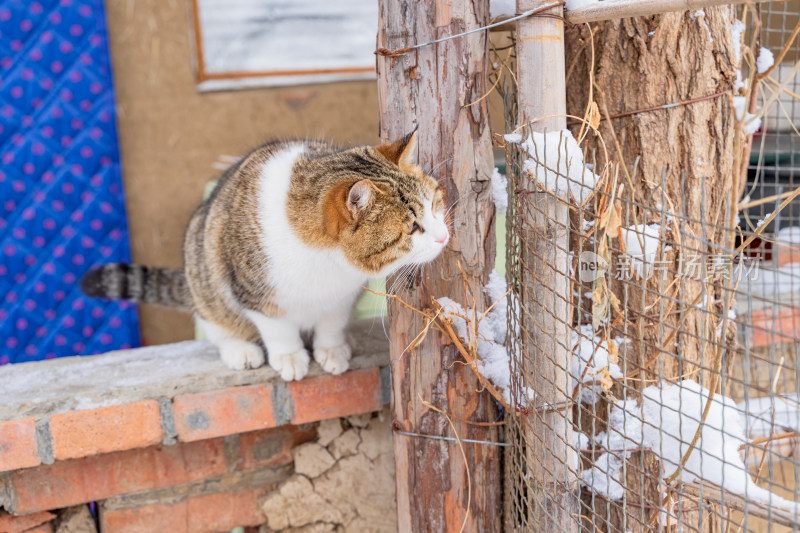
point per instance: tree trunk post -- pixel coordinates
(430, 87)
(544, 227)
(683, 157)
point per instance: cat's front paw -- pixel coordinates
(291, 366)
(334, 360)
(240, 355)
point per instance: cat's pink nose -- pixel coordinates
(442, 239)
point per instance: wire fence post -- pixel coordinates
(554, 503)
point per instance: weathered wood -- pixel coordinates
(619, 9)
(429, 88)
(544, 226)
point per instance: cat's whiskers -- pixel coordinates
(383, 323)
(449, 211)
(391, 289)
(376, 307)
(418, 270)
(404, 276)
(408, 278)
(396, 280)
(451, 206)
(399, 278)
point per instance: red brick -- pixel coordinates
(10, 523)
(224, 412)
(770, 326)
(788, 254)
(107, 429)
(18, 444)
(66, 483)
(334, 396)
(201, 514)
(44, 528)
(270, 447)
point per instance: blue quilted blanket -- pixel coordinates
(62, 208)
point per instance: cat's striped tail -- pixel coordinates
(121, 281)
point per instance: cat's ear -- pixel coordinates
(359, 197)
(400, 152)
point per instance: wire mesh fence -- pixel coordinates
(653, 328)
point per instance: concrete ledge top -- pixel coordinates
(44, 388)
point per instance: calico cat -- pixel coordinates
(285, 243)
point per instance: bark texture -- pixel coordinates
(640, 63)
(430, 88)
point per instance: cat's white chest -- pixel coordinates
(309, 282)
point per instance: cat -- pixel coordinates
(285, 243)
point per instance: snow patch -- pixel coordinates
(759, 414)
(751, 122)
(557, 164)
(499, 191)
(579, 440)
(590, 364)
(765, 60)
(497, 288)
(666, 422)
(624, 431)
(740, 84)
(502, 8)
(673, 414)
(494, 361)
(641, 245)
(737, 29)
(604, 476)
(580, 4)
(790, 235)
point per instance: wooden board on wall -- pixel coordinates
(171, 135)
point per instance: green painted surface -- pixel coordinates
(500, 233)
(371, 305)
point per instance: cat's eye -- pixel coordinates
(417, 228)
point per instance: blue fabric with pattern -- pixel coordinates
(62, 208)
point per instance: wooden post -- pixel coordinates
(430, 88)
(544, 226)
(620, 9)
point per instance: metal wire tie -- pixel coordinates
(438, 437)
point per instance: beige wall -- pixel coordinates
(170, 134)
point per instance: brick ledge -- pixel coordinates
(83, 406)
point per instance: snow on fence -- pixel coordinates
(682, 260)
